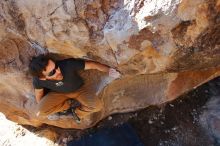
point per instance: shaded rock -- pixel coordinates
(47, 133)
(210, 119)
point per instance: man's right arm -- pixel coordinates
(39, 93)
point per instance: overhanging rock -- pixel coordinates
(163, 49)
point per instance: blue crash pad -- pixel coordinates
(123, 135)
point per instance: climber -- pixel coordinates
(66, 87)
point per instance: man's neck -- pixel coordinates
(55, 79)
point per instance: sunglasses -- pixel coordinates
(51, 73)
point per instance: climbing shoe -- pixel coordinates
(75, 117)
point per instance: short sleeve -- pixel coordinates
(36, 83)
(76, 64)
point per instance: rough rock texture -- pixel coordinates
(14, 134)
(163, 48)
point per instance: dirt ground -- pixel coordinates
(176, 123)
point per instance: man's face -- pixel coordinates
(52, 71)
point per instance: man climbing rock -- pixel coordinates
(62, 80)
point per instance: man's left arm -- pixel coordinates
(101, 67)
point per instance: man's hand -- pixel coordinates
(39, 93)
(114, 73)
(104, 68)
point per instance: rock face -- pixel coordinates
(163, 48)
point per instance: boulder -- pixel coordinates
(162, 48)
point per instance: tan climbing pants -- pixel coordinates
(55, 102)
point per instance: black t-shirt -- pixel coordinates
(71, 80)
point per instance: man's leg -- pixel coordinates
(52, 103)
(88, 108)
(90, 103)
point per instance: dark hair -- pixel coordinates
(38, 64)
